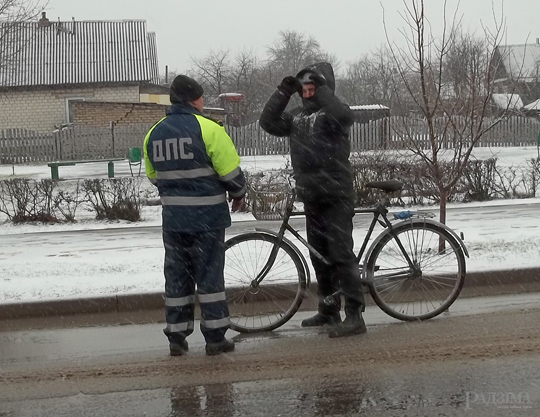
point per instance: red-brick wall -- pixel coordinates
(101, 114)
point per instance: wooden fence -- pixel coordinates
(512, 131)
(253, 140)
(398, 133)
(19, 146)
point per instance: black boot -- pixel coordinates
(178, 348)
(320, 319)
(353, 324)
(226, 345)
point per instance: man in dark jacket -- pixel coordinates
(194, 164)
(320, 148)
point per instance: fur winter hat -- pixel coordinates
(184, 88)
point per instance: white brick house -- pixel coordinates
(58, 62)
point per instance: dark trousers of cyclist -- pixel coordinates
(329, 230)
(195, 261)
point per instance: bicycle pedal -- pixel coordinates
(330, 301)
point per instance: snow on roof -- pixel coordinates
(507, 101)
(370, 107)
(213, 109)
(535, 105)
(521, 61)
(231, 95)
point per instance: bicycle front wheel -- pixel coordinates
(264, 306)
(430, 286)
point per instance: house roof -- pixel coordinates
(60, 53)
(507, 101)
(369, 107)
(521, 61)
(535, 105)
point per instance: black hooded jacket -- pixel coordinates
(319, 135)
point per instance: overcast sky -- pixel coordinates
(346, 28)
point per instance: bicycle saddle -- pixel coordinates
(388, 186)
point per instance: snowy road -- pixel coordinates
(81, 263)
(447, 366)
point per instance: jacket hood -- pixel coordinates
(322, 68)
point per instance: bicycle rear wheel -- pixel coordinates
(271, 303)
(429, 289)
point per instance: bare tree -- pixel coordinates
(449, 79)
(293, 51)
(13, 15)
(246, 71)
(214, 71)
(370, 80)
(220, 72)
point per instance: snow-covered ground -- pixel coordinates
(36, 265)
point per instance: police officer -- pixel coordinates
(320, 148)
(193, 163)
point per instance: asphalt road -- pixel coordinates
(479, 359)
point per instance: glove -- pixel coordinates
(238, 203)
(290, 85)
(317, 79)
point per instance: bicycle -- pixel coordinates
(414, 269)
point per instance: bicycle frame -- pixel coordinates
(378, 211)
(414, 268)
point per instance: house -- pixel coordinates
(506, 102)
(532, 109)
(369, 112)
(518, 70)
(57, 64)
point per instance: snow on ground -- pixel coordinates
(35, 264)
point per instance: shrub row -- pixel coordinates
(28, 200)
(482, 180)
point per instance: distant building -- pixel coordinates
(59, 63)
(518, 70)
(366, 113)
(532, 109)
(233, 105)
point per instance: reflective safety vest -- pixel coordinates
(193, 162)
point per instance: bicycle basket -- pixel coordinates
(269, 204)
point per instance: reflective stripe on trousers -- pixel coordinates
(195, 261)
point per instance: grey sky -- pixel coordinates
(345, 28)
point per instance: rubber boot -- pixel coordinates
(226, 345)
(321, 319)
(353, 324)
(178, 348)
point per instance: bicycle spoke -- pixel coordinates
(443, 284)
(427, 289)
(278, 293)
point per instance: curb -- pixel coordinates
(125, 303)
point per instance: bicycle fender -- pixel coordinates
(451, 231)
(414, 221)
(295, 248)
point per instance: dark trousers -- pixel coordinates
(195, 261)
(329, 230)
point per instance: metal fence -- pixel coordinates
(19, 146)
